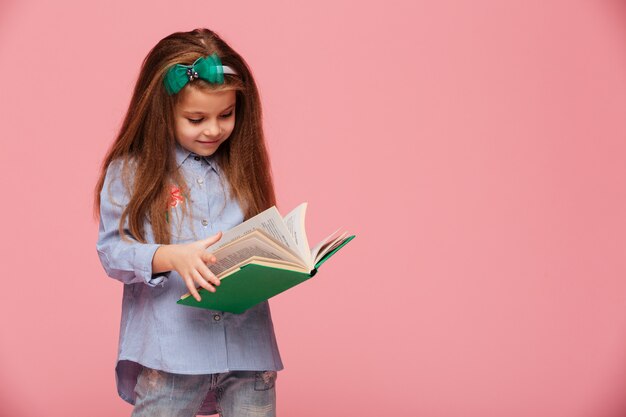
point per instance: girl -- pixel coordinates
(189, 161)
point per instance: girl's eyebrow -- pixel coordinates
(201, 112)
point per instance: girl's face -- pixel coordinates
(204, 119)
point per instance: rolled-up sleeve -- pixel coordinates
(126, 261)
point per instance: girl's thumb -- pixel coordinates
(212, 239)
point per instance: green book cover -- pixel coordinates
(252, 284)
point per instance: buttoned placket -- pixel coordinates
(201, 169)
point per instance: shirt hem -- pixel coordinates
(146, 364)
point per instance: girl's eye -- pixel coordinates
(223, 116)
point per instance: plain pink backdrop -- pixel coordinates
(476, 148)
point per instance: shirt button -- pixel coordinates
(217, 317)
(197, 158)
(200, 181)
(205, 222)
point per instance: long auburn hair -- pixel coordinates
(146, 140)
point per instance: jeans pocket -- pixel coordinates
(264, 380)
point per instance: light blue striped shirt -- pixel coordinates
(155, 331)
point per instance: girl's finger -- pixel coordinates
(212, 239)
(192, 288)
(208, 258)
(208, 275)
(201, 281)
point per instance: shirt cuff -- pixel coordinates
(143, 260)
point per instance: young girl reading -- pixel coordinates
(189, 162)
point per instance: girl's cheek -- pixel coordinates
(231, 126)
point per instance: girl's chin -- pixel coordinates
(206, 149)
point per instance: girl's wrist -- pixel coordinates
(162, 259)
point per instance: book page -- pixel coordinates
(255, 244)
(331, 246)
(295, 224)
(323, 244)
(257, 260)
(269, 221)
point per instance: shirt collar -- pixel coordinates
(182, 154)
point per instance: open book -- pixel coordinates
(262, 257)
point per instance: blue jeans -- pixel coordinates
(237, 393)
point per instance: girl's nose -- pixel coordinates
(212, 129)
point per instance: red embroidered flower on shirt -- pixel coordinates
(175, 196)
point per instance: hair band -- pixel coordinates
(208, 68)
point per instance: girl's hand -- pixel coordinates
(190, 261)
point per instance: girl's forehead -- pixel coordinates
(201, 100)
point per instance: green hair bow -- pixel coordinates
(209, 69)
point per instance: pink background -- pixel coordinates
(476, 148)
